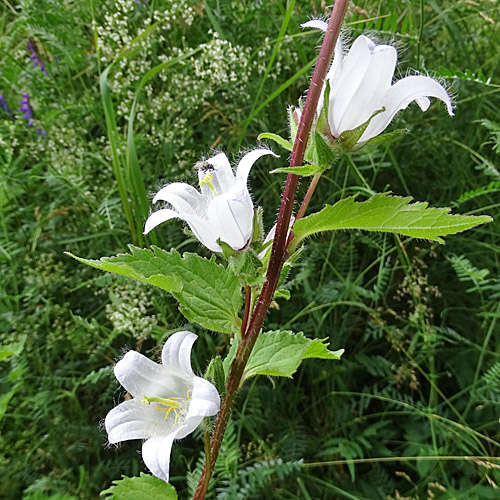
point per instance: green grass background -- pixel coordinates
(136, 93)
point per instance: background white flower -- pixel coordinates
(169, 401)
(223, 209)
(361, 84)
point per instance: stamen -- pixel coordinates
(208, 180)
(173, 403)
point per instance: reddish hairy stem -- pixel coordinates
(278, 251)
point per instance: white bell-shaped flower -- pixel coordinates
(223, 210)
(361, 84)
(168, 401)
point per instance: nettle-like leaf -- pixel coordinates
(279, 353)
(144, 487)
(208, 293)
(388, 214)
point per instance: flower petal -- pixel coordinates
(176, 353)
(223, 177)
(133, 419)
(205, 402)
(141, 376)
(315, 23)
(156, 454)
(231, 216)
(359, 88)
(246, 163)
(183, 197)
(400, 95)
(197, 224)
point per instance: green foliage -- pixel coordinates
(279, 353)
(208, 293)
(417, 393)
(144, 487)
(389, 214)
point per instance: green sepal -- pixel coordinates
(215, 374)
(228, 360)
(227, 250)
(384, 138)
(258, 225)
(246, 266)
(282, 294)
(322, 125)
(304, 170)
(348, 139)
(323, 154)
(292, 123)
(144, 487)
(285, 144)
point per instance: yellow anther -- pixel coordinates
(208, 180)
(189, 392)
(173, 403)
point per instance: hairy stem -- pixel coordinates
(278, 251)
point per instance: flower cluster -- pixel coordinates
(35, 57)
(27, 111)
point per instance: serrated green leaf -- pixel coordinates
(388, 214)
(144, 487)
(317, 349)
(208, 293)
(141, 264)
(276, 138)
(279, 353)
(304, 170)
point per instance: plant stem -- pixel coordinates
(278, 251)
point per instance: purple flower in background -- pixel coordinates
(5, 107)
(26, 109)
(35, 57)
(27, 112)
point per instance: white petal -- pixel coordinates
(159, 217)
(231, 217)
(247, 162)
(176, 353)
(205, 402)
(315, 23)
(400, 95)
(223, 177)
(133, 419)
(141, 376)
(198, 225)
(156, 454)
(358, 91)
(183, 197)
